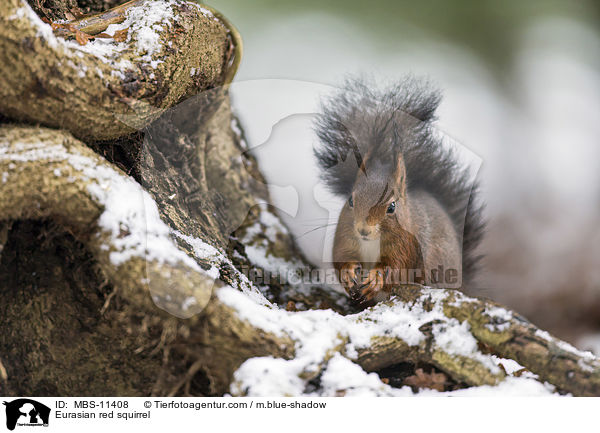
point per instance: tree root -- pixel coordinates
(49, 174)
(89, 89)
(165, 239)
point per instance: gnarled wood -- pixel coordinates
(89, 308)
(90, 89)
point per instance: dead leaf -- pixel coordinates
(519, 372)
(421, 379)
(121, 35)
(82, 38)
(324, 305)
(78, 13)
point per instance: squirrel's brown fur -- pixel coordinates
(410, 214)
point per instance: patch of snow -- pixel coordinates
(269, 376)
(343, 377)
(204, 251)
(207, 13)
(237, 130)
(188, 302)
(455, 340)
(563, 345)
(509, 365)
(44, 30)
(144, 23)
(207, 253)
(19, 13)
(117, 73)
(499, 313)
(257, 240)
(500, 317)
(317, 332)
(544, 334)
(82, 70)
(509, 387)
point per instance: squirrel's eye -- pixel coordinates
(392, 207)
(351, 202)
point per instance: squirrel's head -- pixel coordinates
(378, 197)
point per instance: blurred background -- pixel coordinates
(521, 84)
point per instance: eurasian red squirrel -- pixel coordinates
(410, 214)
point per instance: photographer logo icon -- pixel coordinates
(26, 412)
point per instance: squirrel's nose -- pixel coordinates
(364, 232)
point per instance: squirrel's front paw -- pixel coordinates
(373, 284)
(350, 274)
